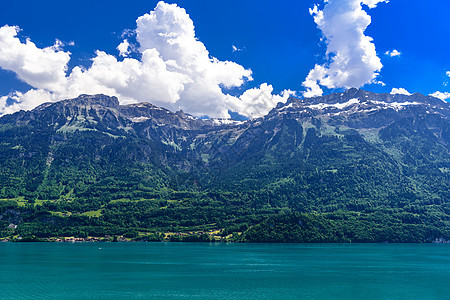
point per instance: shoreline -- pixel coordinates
(128, 240)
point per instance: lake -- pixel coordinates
(223, 271)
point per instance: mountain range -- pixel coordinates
(347, 167)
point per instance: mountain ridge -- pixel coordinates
(344, 162)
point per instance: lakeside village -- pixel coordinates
(192, 236)
(212, 236)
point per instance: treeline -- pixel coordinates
(222, 218)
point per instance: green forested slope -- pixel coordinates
(314, 170)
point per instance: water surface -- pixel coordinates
(223, 271)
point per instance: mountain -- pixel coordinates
(347, 167)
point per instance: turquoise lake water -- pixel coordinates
(223, 271)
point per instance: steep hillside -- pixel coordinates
(352, 166)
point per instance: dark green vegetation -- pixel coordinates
(350, 167)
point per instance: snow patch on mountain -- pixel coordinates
(336, 105)
(395, 105)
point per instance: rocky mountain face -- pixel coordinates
(183, 142)
(350, 151)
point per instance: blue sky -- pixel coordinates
(279, 43)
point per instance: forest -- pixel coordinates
(281, 178)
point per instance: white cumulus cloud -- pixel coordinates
(352, 60)
(170, 30)
(41, 68)
(400, 91)
(24, 101)
(175, 70)
(393, 53)
(441, 95)
(257, 102)
(124, 48)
